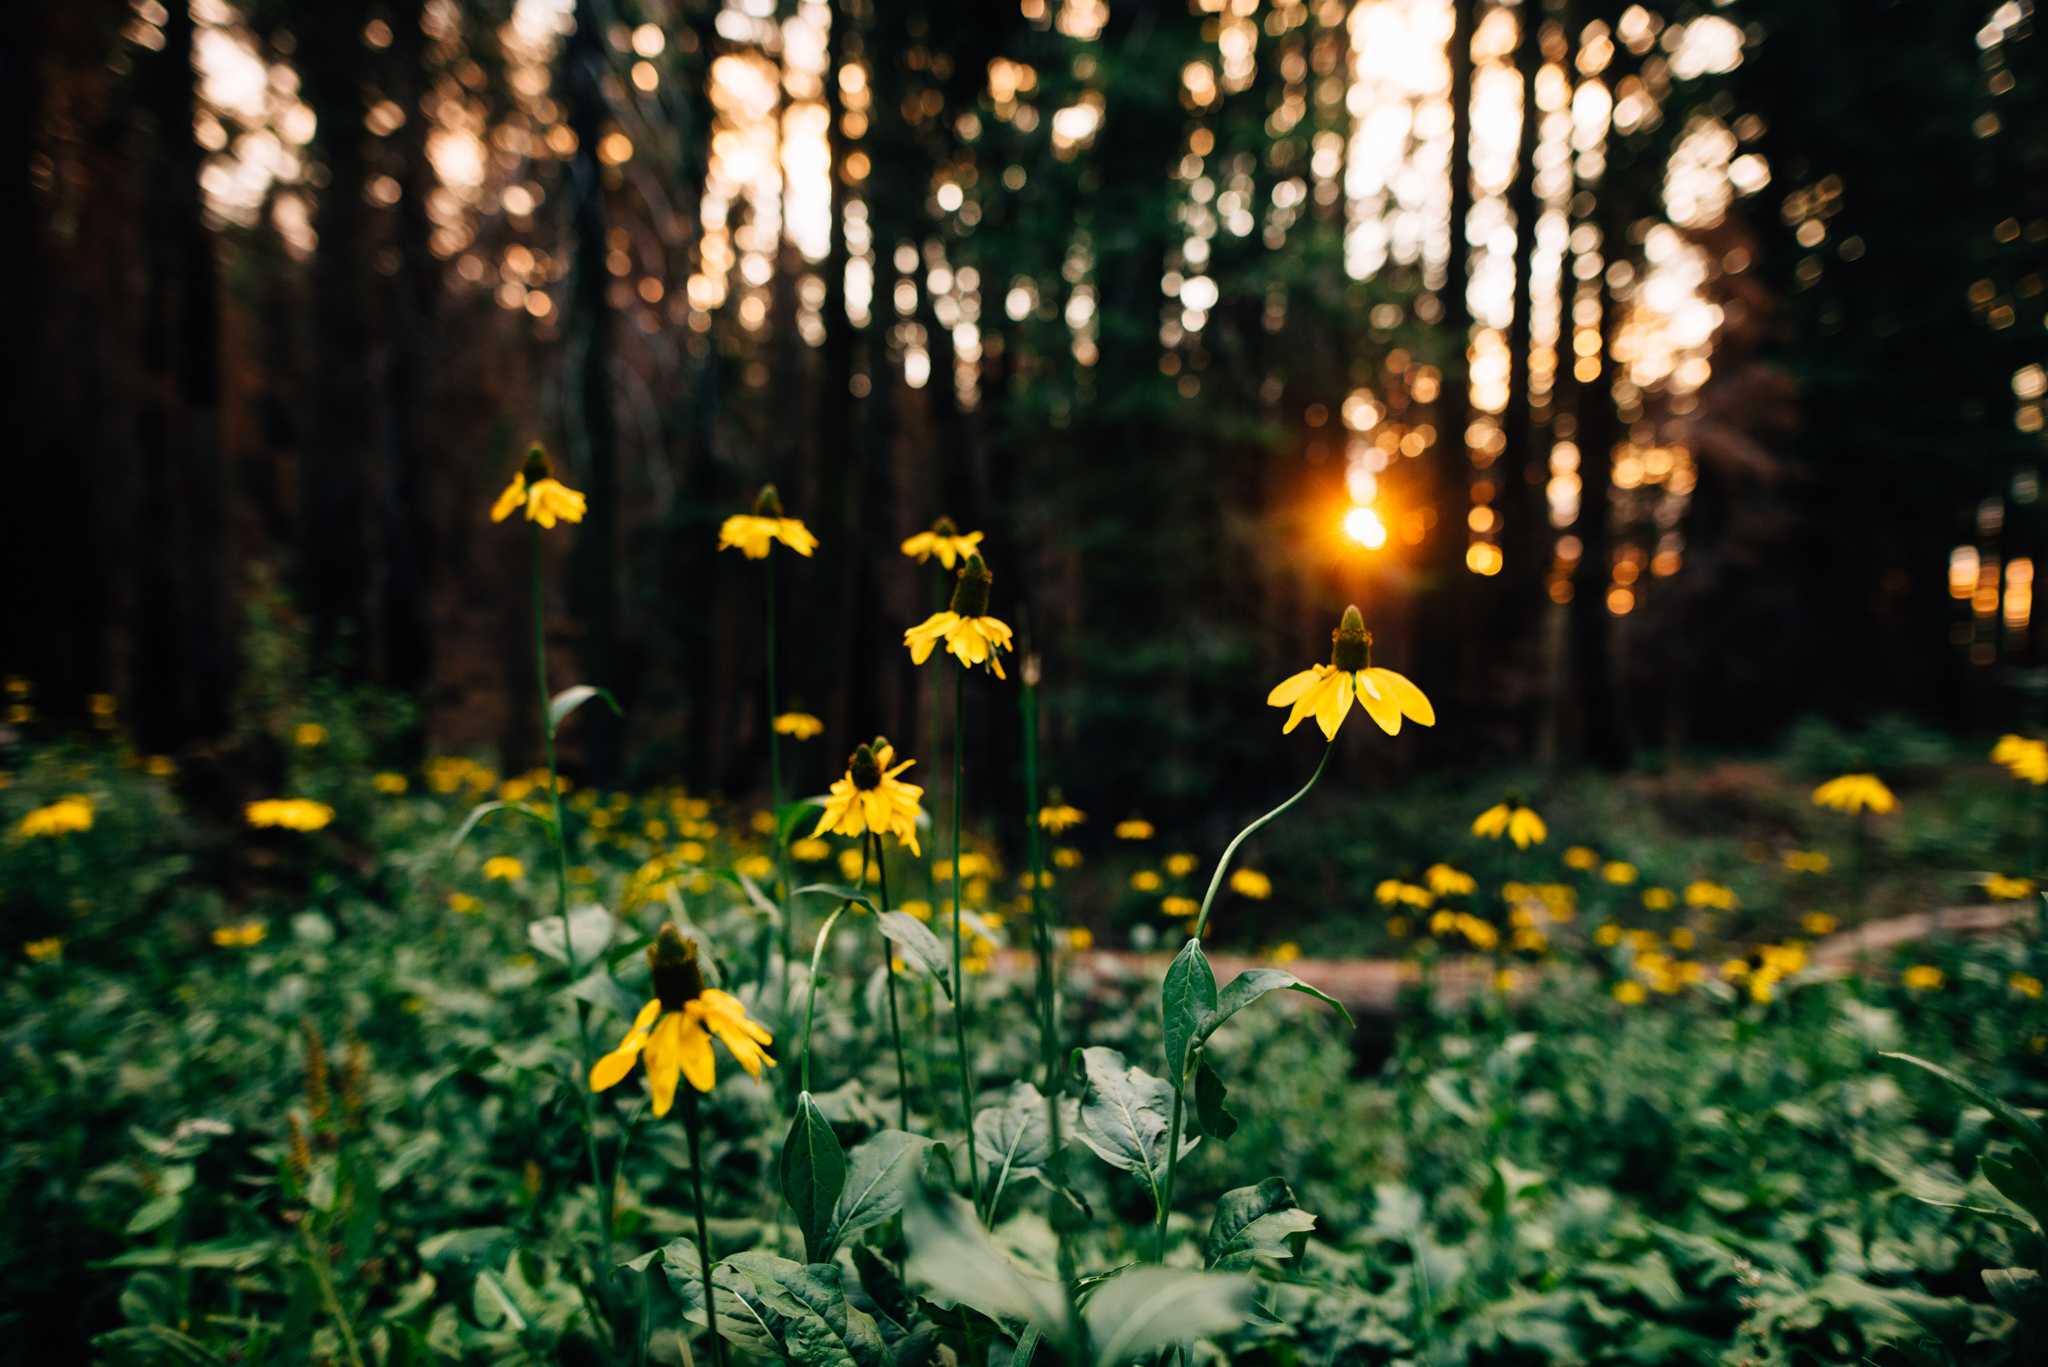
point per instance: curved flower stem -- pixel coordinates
(817, 955)
(1223, 864)
(959, 991)
(889, 967)
(691, 1123)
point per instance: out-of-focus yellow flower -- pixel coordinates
(308, 734)
(1394, 892)
(2026, 984)
(691, 852)
(1180, 907)
(1146, 880)
(1326, 692)
(1609, 934)
(464, 903)
(1529, 940)
(801, 725)
(504, 868)
(292, 813)
(946, 541)
(160, 766)
(971, 635)
(852, 864)
(1251, 883)
(240, 936)
(1480, 934)
(1066, 858)
(918, 908)
(535, 488)
(1682, 937)
(1923, 978)
(1818, 923)
(1704, 893)
(446, 773)
(388, 782)
(673, 1031)
(1619, 873)
(1397, 926)
(753, 532)
(1659, 899)
(1510, 818)
(1735, 970)
(973, 864)
(1181, 865)
(1286, 952)
(1582, 857)
(2003, 889)
(810, 850)
(763, 823)
(1807, 861)
(2027, 759)
(1854, 792)
(1028, 882)
(1137, 828)
(44, 951)
(1630, 993)
(62, 817)
(1057, 816)
(1446, 881)
(869, 797)
(1080, 937)
(758, 867)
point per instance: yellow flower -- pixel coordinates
(918, 908)
(1137, 828)
(1818, 923)
(1923, 978)
(1735, 969)
(1059, 816)
(1145, 880)
(309, 734)
(1181, 865)
(50, 950)
(690, 852)
(1609, 934)
(1326, 692)
(1286, 952)
(801, 725)
(1702, 893)
(159, 766)
(1581, 857)
(2025, 984)
(504, 868)
(752, 532)
(755, 866)
(1682, 938)
(1251, 883)
(240, 936)
(944, 540)
(1397, 926)
(1080, 937)
(389, 783)
(1854, 792)
(1659, 899)
(1807, 861)
(2028, 759)
(871, 798)
(1180, 906)
(1446, 881)
(1618, 872)
(1630, 993)
(545, 498)
(1510, 818)
(2002, 889)
(1027, 882)
(852, 864)
(62, 817)
(1067, 858)
(292, 813)
(1393, 891)
(464, 903)
(673, 1031)
(809, 850)
(971, 635)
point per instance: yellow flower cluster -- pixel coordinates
(520, 786)
(1446, 881)
(1807, 861)
(1778, 962)
(801, 725)
(503, 868)
(446, 773)
(240, 936)
(1058, 816)
(291, 813)
(1180, 907)
(2026, 758)
(1394, 892)
(1704, 893)
(44, 951)
(1558, 901)
(1855, 793)
(1518, 823)
(1481, 934)
(1251, 883)
(62, 817)
(2002, 889)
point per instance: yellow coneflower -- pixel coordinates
(1179, 907)
(673, 1031)
(1619, 873)
(1582, 857)
(1705, 893)
(309, 734)
(1251, 883)
(752, 532)
(464, 903)
(1446, 881)
(1923, 978)
(871, 798)
(809, 851)
(1393, 892)
(801, 725)
(1146, 880)
(944, 540)
(1510, 818)
(1181, 865)
(62, 817)
(1057, 816)
(2027, 759)
(1326, 692)
(1854, 792)
(503, 868)
(1136, 828)
(44, 951)
(1815, 923)
(971, 635)
(1807, 861)
(535, 488)
(1659, 899)
(2002, 889)
(240, 936)
(390, 783)
(292, 813)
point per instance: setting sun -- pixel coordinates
(1363, 525)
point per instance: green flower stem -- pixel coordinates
(889, 967)
(1223, 864)
(811, 1006)
(692, 1123)
(1165, 1193)
(959, 990)
(1041, 931)
(323, 1278)
(775, 794)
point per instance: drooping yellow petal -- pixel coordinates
(550, 499)
(1526, 828)
(1379, 703)
(1405, 694)
(693, 1048)
(792, 533)
(926, 634)
(1311, 701)
(1493, 822)
(1289, 690)
(664, 1055)
(513, 498)
(748, 533)
(1333, 706)
(614, 1066)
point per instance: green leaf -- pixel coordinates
(1254, 983)
(802, 1310)
(1209, 1095)
(161, 1210)
(1124, 1115)
(917, 946)
(569, 699)
(1187, 1000)
(840, 891)
(2018, 1179)
(952, 1254)
(813, 1175)
(2018, 1291)
(793, 812)
(1015, 1138)
(741, 1319)
(1255, 1222)
(590, 930)
(1149, 1308)
(226, 1254)
(883, 1286)
(2029, 1132)
(484, 809)
(1997, 1217)
(880, 1170)
(156, 1343)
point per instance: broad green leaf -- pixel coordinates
(813, 1174)
(491, 1302)
(1254, 983)
(1015, 1138)
(804, 1311)
(1254, 1222)
(1209, 1097)
(1506, 1186)
(2018, 1291)
(951, 1254)
(742, 1319)
(2028, 1131)
(1187, 1000)
(1998, 1217)
(879, 1171)
(226, 1254)
(883, 1286)
(569, 699)
(484, 809)
(590, 930)
(792, 813)
(917, 946)
(1149, 1308)
(2018, 1179)
(1124, 1116)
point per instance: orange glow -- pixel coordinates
(1483, 557)
(1363, 525)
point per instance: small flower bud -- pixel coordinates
(944, 527)
(767, 503)
(537, 467)
(1352, 644)
(673, 959)
(970, 595)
